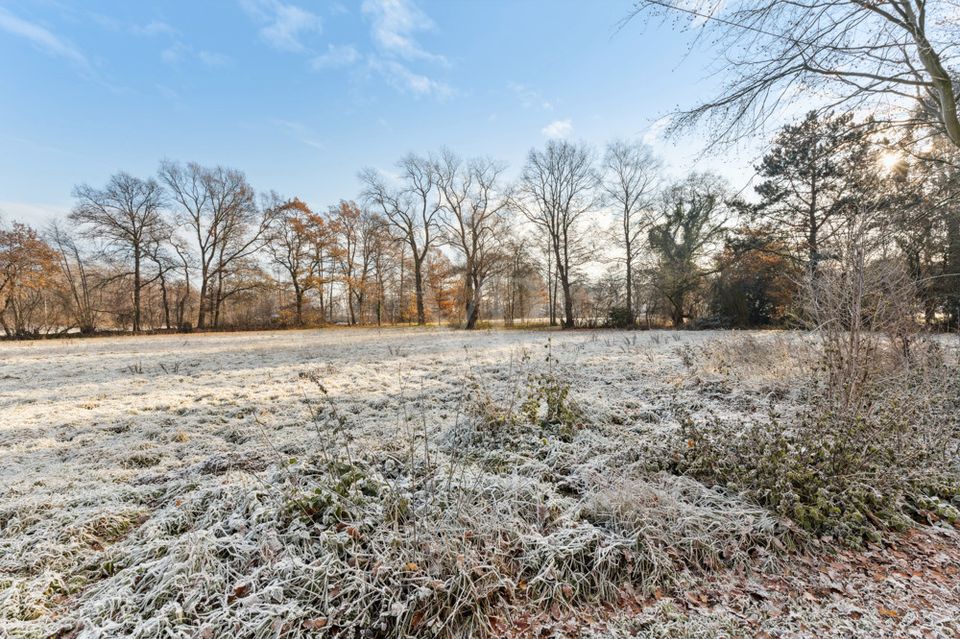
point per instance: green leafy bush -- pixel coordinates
(838, 473)
(620, 317)
(549, 405)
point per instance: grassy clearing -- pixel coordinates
(441, 488)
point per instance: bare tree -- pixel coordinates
(412, 209)
(854, 53)
(356, 233)
(557, 189)
(126, 216)
(290, 247)
(385, 262)
(521, 281)
(217, 205)
(80, 280)
(184, 261)
(630, 177)
(475, 206)
(166, 265)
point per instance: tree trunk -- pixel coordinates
(952, 280)
(350, 311)
(380, 288)
(568, 321)
(472, 295)
(628, 245)
(165, 301)
(812, 239)
(418, 284)
(563, 270)
(942, 83)
(630, 285)
(554, 289)
(330, 301)
(298, 301)
(204, 294)
(551, 289)
(217, 299)
(136, 291)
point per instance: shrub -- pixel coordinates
(620, 317)
(548, 405)
(876, 442)
(847, 475)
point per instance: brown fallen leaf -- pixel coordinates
(239, 592)
(692, 599)
(315, 624)
(417, 619)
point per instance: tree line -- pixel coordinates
(580, 237)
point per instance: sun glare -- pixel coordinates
(889, 160)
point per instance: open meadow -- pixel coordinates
(420, 482)
(419, 319)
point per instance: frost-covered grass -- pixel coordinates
(400, 481)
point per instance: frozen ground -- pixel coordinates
(145, 490)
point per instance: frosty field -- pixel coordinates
(310, 483)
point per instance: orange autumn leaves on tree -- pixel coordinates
(28, 270)
(358, 234)
(443, 280)
(757, 281)
(297, 242)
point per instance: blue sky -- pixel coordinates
(300, 95)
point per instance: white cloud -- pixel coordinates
(654, 131)
(212, 58)
(175, 52)
(337, 56)
(285, 24)
(404, 79)
(284, 32)
(168, 93)
(35, 214)
(558, 129)
(178, 52)
(394, 24)
(153, 28)
(530, 97)
(301, 132)
(42, 38)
